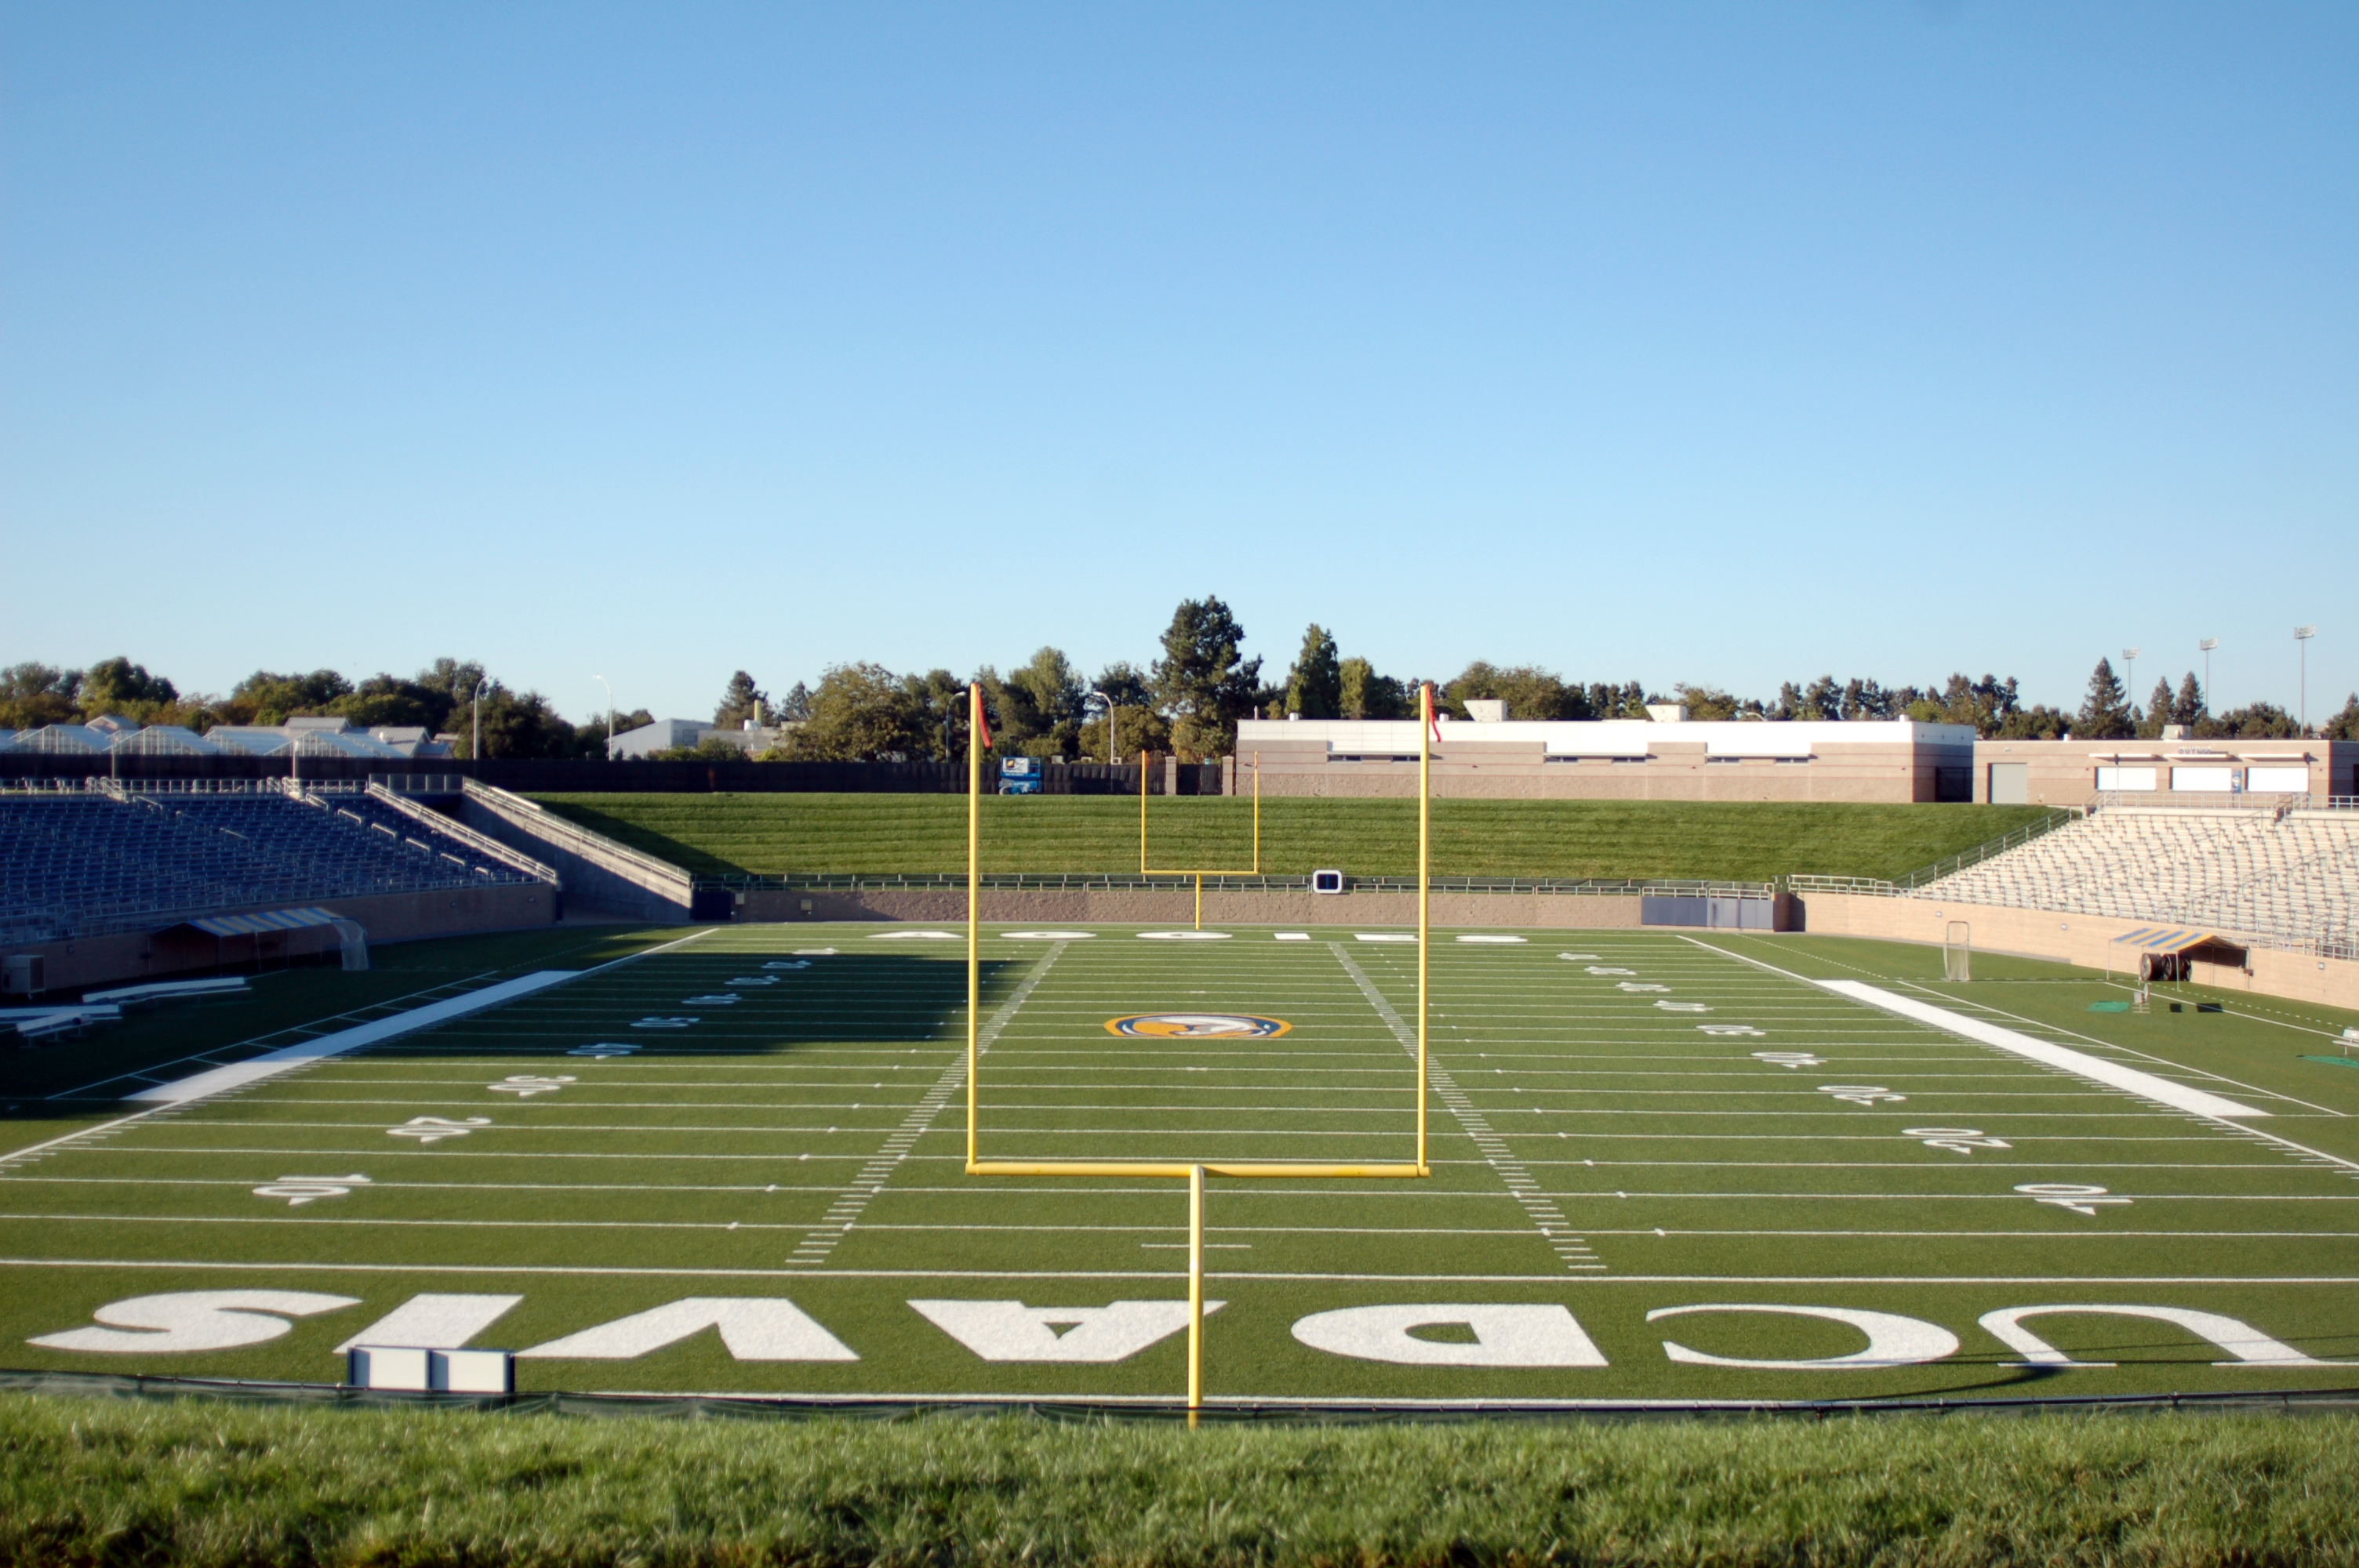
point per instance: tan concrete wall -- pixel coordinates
(1139, 906)
(2064, 773)
(1520, 772)
(389, 917)
(2085, 940)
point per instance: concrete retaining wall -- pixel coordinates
(2081, 939)
(598, 872)
(1140, 906)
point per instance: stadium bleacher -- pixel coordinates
(2284, 879)
(85, 863)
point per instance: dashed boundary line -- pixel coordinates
(1571, 1247)
(850, 1203)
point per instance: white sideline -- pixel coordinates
(2179, 1097)
(220, 1080)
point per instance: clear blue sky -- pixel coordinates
(1727, 343)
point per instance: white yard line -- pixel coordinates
(1572, 1249)
(1164, 1275)
(854, 1200)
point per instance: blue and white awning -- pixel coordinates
(252, 924)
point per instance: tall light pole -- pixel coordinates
(2129, 658)
(1113, 756)
(601, 680)
(2205, 646)
(2301, 636)
(475, 751)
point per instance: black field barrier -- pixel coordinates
(541, 775)
(889, 1407)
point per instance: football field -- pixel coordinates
(1664, 1167)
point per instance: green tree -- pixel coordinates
(740, 701)
(1203, 683)
(1138, 727)
(1529, 692)
(2039, 722)
(938, 714)
(2343, 726)
(263, 697)
(2158, 705)
(2261, 722)
(1038, 709)
(1362, 692)
(861, 713)
(2105, 712)
(33, 694)
(523, 724)
(1314, 687)
(796, 705)
(1709, 702)
(2187, 706)
(119, 686)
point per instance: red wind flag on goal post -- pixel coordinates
(982, 725)
(1432, 718)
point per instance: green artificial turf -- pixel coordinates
(1623, 1125)
(202, 1483)
(283, 1005)
(772, 834)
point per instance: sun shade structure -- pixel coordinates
(252, 924)
(1192, 1171)
(2160, 949)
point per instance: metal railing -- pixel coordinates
(1878, 888)
(482, 844)
(1132, 882)
(2280, 802)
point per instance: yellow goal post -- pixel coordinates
(1193, 1172)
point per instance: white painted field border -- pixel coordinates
(2080, 1063)
(239, 1074)
(2113, 1075)
(171, 1097)
(2131, 1050)
(1164, 1275)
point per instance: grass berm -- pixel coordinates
(206, 1483)
(716, 835)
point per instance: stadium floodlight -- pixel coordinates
(601, 680)
(1192, 1171)
(2130, 681)
(2301, 636)
(475, 749)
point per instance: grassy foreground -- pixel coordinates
(718, 834)
(89, 1481)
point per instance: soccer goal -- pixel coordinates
(1957, 952)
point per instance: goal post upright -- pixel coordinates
(973, 901)
(1424, 891)
(1193, 1173)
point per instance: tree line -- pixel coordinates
(1189, 701)
(441, 699)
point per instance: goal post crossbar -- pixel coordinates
(1191, 1171)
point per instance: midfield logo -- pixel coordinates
(1199, 1025)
